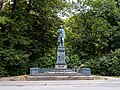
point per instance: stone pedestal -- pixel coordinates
(61, 63)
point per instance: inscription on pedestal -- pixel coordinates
(60, 66)
(61, 63)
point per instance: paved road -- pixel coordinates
(111, 84)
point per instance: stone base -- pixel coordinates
(60, 70)
(60, 66)
(39, 78)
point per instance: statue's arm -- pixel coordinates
(59, 31)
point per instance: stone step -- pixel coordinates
(59, 74)
(38, 78)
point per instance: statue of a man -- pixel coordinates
(61, 35)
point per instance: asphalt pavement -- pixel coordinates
(110, 84)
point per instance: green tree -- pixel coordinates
(96, 25)
(94, 33)
(28, 34)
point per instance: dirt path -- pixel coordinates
(6, 78)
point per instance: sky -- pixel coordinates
(64, 16)
(72, 1)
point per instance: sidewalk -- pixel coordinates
(111, 80)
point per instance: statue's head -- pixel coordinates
(61, 26)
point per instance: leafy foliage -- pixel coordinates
(106, 65)
(13, 60)
(28, 32)
(96, 27)
(93, 32)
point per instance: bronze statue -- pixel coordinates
(61, 35)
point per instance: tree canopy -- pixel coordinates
(28, 35)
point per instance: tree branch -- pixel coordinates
(1, 3)
(29, 6)
(14, 5)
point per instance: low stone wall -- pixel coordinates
(60, 72)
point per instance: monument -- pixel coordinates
(61, 63)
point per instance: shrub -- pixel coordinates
(3, 72)
(106, 65)
(73, 61)
(15, 62)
